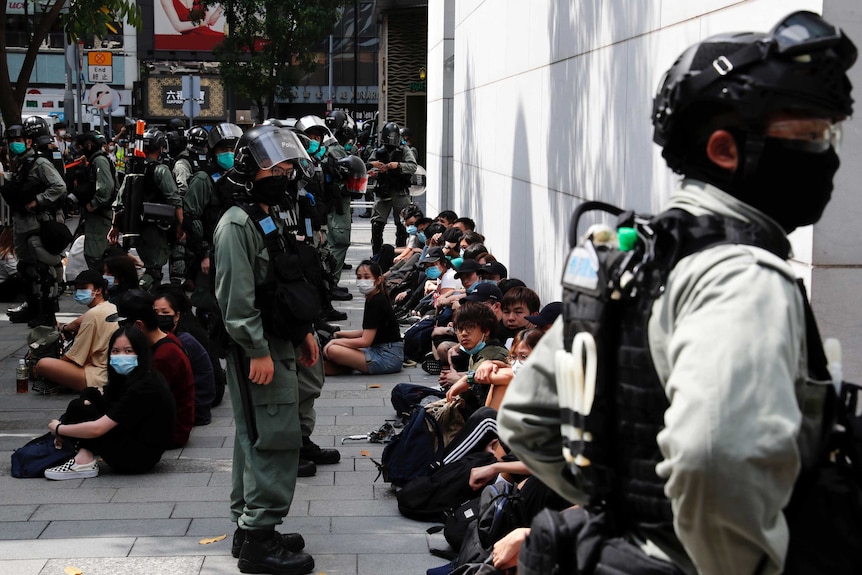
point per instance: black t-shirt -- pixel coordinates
(145, 411)
(379, 315)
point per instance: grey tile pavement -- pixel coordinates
(153, 523)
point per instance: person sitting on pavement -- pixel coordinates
(498, 374)
(464, 225)
(11, 286)
(493, 271)
(517, 304)
(447, 218)
(376, 348)
(121, 275)
(85, 364)
(129, 426)
(168, 314)
(169, 359)
(474, 323)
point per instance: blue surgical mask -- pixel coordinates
(320, 153)
(433, 273)
(84, 296)
(313, 146)
(124, 364)
(456, 263)
(348, 147)
(225, 160)
(17, 148)
(421, 236)
(411, 230)
(479, 347)
(109, 280)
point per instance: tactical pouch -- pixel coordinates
(162, 215)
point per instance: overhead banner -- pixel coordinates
(187, 26)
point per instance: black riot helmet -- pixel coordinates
(36, 128)
(93, 136)
(176, 125)
(799, 66)
(14, 131)
(354, 174)
(154, 140)
(390, 135)
(221, 135)
(262, 147)
(176, 135)
(341, 125)
(197, 137)
(315, 126)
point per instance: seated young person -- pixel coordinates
(85, 364)
(168, 305)
(447, 218)
(121, 275)
(474, 323)
(11, 286)
(546, 318)
(415, 245)
(517, 304)
(377, 347)
(499, 374)
(129, 426)
(169, 359)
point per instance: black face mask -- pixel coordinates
(790, 185)
(271, 190)
(165, 322)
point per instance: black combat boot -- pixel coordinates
(263, 552)
(306, 468)
(310, 451)
(290, 541)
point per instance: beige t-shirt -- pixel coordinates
(90, 349)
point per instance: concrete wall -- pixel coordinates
(550, 104)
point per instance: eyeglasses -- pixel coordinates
(465, 327)
(289, 173)
(808, 134)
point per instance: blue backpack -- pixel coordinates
(413, 452)
(406, 396)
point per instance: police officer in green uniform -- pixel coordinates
(262, 366)
(96, 198)
(35, 194)
(339, 219)
(394, 163)
(159, 188)
(181, 168)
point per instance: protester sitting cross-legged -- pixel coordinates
(169, 359)
(169, 303)
(129, 426)
(377, 347)
(85, 363)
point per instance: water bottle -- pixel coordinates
(22, 376)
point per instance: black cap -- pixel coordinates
(468, 267)
(547, 315)
(485, 291)
(134, 305)
(432, 256)
(90, 277)
(494, 269)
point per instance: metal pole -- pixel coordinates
(231, 96)
(331, 62)
(355, 57)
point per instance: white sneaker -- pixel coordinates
(72, 470)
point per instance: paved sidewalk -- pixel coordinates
(152, 524)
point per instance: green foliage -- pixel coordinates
(95, 17)
(269, 44)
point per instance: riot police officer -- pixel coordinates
(249, 238)
(339, 221)
(394, 163)
(719, 420)
(162, 211)
(35, 195)
(95, 198)
(197, 137)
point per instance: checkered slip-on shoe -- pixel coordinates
(72, 470)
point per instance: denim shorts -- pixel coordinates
(384, 357)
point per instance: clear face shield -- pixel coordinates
(280, 145)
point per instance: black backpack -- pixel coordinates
(406, 396)
(428, 498)
(413, 452)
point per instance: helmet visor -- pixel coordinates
(276, 146)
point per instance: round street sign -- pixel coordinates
(101, 96)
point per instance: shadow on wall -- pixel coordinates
(522, 241)
(468, 197)
(599, 103)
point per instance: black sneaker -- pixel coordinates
(347, 266)
(44, 387)
(290, 541)
(432, 366)
(333, 315)
(263, 552)
(340, 296)
(310, 451)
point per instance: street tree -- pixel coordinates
(271, 43)
(80, 18)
